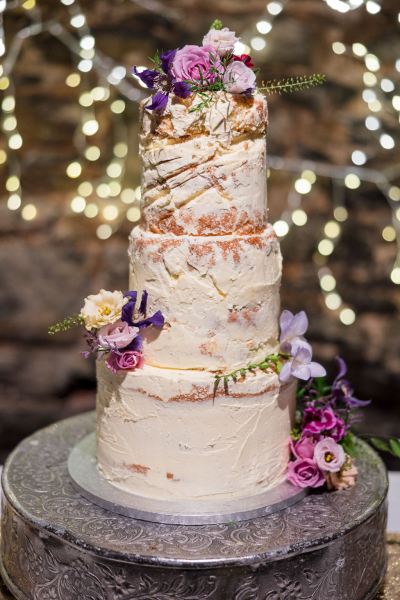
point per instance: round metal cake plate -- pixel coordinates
(55, 544)
(82, 467)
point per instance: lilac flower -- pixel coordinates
(293, 328)
(238, 78)
(117, 335)
(342, 392)
(300, 365)
(329, 456)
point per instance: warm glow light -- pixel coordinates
(302, 186)
(110, 212)
(87, 42)
(73, 80)
(338, 5)
(8, 104)
(340, 213)
(77, 21)
(369, 78)
(4, 83)
(85, 188)
(29, 4)
(386, 141)
(395, 275)
(358, 157)
(394, 193)
(359, 49)
(396, 102)
(264, 27)
(309, 176)
(92, 153)
(115, 188)
(397, 214)
(332, 229)
(281, 228)
(372, 62)
(387, 85)
(258, 43)
(373, 7)
(86, 99)
(347, 316)
(12, 184)
(389, 233)
(328, 283)
(299, 217)
(3, 157)
(375, 106)
(85, 65)
(74, 170)
(117, 107)
(29, 212)
(368, 95)
(90, 127)
(78, 204)
(128, 196)
(91, 210)
(14, 202)
(67, 2)
(333, 301)
(372, 123)
(117, 73)
(100, 93)
(120, 150)
(15, 141)
(352, 181)
(338, 48)
(103, 190)
(133, 214)
(104, 231)
(274, 8)
(325, 247)
(114, 169)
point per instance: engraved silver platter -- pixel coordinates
(83, 470)
(57, 545)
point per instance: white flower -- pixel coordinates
(238, 78)
(222, 40)
(102, 308)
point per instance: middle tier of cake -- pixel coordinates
(220, 296)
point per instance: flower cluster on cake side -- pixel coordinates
(113, 326)
(207, 69)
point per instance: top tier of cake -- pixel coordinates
(204, 171)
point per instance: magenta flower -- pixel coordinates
(303, 473)
(329, 456)
(293, 328)
(196, 63)
(300, 364)
(304, 447)
(318, 420)
(238, 78)
(126, 361)
(117, 335)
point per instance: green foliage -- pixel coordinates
(272, 362)
(349, 443)
(292, 84)
(156, 60)
(216, 24)
(391, 445)
(66, 324)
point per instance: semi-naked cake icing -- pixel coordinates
(211, 263)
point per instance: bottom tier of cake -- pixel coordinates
(162, 434)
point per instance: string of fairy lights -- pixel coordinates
(108, 198)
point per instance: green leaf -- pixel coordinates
(226, 388)
(380, 444)
(217, 381)
(66, 324)
(394, 445)
(216, 24)
(292, 84)
(349, 443)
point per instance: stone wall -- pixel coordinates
(49, 264)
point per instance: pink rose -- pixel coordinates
(345, 478)
(303, 472)
(127, 361)
(221, 40)
(117, 335)
(195, 63)
(238, 78)
(329, 456)
(303, 448)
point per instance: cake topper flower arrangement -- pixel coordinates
(210, 68)
(113, 327)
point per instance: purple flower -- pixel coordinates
(117, 335)
(300, 365)
(303, 473)
(159, 101)
(181, 89)
(342, 391)
(196, 63)
(304, 447)
(127, 361)
(166, 60)
(319, 420)
(238, 78)
(329, 456)
(128, 312)
(293, 328)
(148, 76)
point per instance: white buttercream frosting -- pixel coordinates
(204, 171)
(219, 295)
(161, 434)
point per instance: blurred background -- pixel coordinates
(70, 172)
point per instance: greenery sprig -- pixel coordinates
(272, 362)
(292, 84)
(66, 324)
(391, 445)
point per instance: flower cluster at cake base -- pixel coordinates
(322, 442)
(209, 68)
(113, 327)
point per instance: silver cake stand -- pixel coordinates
(58, 545)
